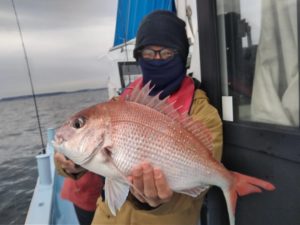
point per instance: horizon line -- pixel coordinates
(50, 93)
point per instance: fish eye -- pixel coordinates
(79, 122)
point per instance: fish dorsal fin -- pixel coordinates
(142, 96)
(200, 131)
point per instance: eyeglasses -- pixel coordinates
(164, 53)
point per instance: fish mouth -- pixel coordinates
(58, 140)
(61, 148)
(59, 145)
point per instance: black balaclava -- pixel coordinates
(163, 28)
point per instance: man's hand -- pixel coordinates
(151, 184)
(67, 165)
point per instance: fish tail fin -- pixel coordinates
(243, 185)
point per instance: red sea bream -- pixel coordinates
(112, 137)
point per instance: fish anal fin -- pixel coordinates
(194, 192)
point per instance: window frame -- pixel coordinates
(120, 65)
(246, 142)
(210, 66)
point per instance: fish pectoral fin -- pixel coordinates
(116, 193)
(194, 192)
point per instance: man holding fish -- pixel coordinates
(159, 144)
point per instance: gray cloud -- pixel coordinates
(56, 14)
(63, 39)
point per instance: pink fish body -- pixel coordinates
(111, 138)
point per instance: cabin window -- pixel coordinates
(258, 42)
(128, 71)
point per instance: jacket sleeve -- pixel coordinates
(203, 111)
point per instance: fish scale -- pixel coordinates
(152, 150)
(169, 137)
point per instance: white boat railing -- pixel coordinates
(40, 209)
(46, 206)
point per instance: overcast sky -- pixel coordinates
(64, 39)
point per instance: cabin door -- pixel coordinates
(250, 70)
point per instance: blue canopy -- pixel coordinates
(131, 12)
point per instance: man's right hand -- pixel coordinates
(150, 184)
(67, 165)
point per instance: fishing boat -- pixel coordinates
(247, 62)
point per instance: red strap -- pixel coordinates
(183, 97)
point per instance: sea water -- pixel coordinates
(20, 142)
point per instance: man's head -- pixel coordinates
(165, 29)
(161, 50)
